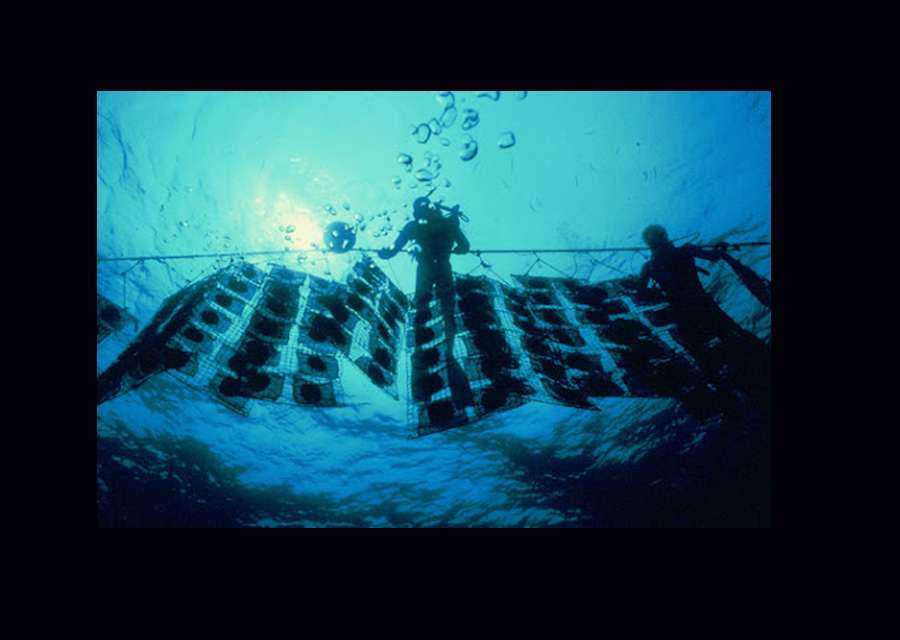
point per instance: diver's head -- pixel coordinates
(423, 212)
(655, 236)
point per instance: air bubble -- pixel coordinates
(448, 117)
(291, 228)
(422, 133)
(404, 158)
(424, 175)
(506, 140)
(493, 95)
(468, 149)
(445, 98)
(470, 119)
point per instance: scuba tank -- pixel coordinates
(455, 213)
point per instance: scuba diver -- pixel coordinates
(437, 238)
(727, 353)
(674, 270)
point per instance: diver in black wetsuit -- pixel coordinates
(727, 353)
(438, 237)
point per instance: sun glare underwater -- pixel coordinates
(263, 360)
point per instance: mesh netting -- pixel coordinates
(111, 318)
(245, 334)
(555, 340)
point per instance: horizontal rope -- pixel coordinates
(472, 251)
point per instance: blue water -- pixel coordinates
(183, 173)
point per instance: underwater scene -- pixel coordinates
(441, 309)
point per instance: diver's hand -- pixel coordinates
(721, 250)
(385, 254)
(460, 251)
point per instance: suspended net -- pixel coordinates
(246, 334)
(554, 340)
(111, 318)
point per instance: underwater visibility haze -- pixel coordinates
(555, 186)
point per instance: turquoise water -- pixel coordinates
(188, 173)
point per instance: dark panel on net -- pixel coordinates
(541, 310)
(242, 281)
(208, 323)
(316, 365)
(494, 363)
(385, 302)
(279, 304)
(427, 382)
(432, 403)
(228, 303)
(589, 295)
(638, 332)
(380, 309)
(391, 315)
(255, 385)
(324, 332)
(504, 392)
(366, 281)
(246, 371)
(150, 352)
(479, 379)
(661, 317)
(211, 320)
(316, 381)
(323, 322)
(315, 394)
(381, 365)
(223, 388)
(110, 318)
(439, 415)
(249, 366)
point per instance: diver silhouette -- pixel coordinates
(729, 355)
(438, 237)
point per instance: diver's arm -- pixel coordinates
(642, 281)
(398, 244)
(462, 243)
(713, 255)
